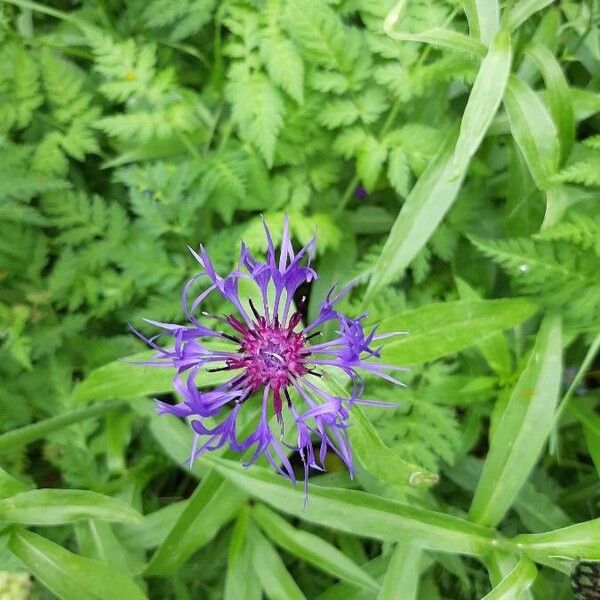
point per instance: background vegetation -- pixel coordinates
(447, 153)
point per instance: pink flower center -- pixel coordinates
(271, 355)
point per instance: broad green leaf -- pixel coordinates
(213, 503)
(523, 428)
(494, 347)
(68, 575)
(123, 379)
(484, 18)
(436, 189)
(56, 507)
(444, 328)
(359, 513)
(267, 564)
(559, 98)
(379, 459)
(30, 433)
(402, 576)
(311, 548)
(581, 540)
(519, 580)
(240, 580)
(533, 130)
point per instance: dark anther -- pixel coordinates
(315, 373)
(253, 308)
(287, 397)
(312, 335)
(217, 369)
(231, 337)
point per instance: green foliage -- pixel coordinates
(452, 178)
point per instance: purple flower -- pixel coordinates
(272, 361)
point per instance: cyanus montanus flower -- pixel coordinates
(274, 360)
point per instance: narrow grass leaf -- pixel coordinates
(311, 548)
(56, 507)
(359, 513)
(68, 575)
(533, 129)
(437, 188)
(213, 503)
(402, 576)
(558, 95)
(274, 578)
(240, 580)
(444, 328)
(519, 580)
(581, 540)
(521, 10)
(436, 36)
(30, 433)
(523, 428)
(484, 18)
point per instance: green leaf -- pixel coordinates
(484, 18)
(519, 580)
(559, 97)
(69, 576)
(379, 459)
(437, 36)
(30, 433)
(123, 379)
(436, 190)
(56, 507)
(402, 576)
(267, 564)
(240, 580)
(399, 172)
(213, 503)
(444, 328)
(523, 9)
(9, 485)
(580, 541)
(311, 548)
(359, 513)
(495, 347)
(533, 130)
(523, 428)
(371, 157)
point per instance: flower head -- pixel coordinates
(273, 360)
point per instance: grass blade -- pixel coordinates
(523, 428)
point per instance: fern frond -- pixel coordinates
(257, 108)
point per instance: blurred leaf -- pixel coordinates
(402, 576)
(311, 548)
(273, 576)
(69, 576)
(579, 541)
(55, 507)
(517, 581)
